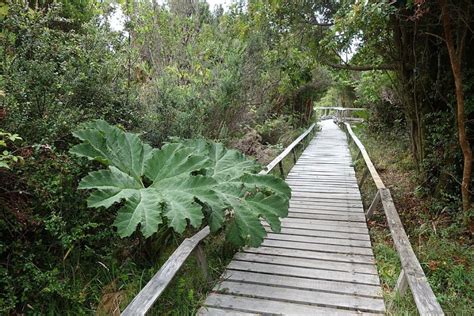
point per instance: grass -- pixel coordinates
(440, 241)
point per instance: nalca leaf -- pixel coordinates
(182, 184)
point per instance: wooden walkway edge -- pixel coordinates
(321, 263)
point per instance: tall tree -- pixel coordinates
(456, 51)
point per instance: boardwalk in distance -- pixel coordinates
(322, 261)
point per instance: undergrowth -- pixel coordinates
(434, 225)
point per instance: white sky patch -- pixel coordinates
(117, 19)
(214, 3)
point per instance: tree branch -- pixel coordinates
(317, 23)
(364, 67)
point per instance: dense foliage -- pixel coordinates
(246, 78)
(172, 70)
(187, 181)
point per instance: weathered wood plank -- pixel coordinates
(320, 240)
(288, 224)
(264, 306)
(320, 233)
(362, 226)
(305, 205)
(313, 273)
(304, 283)
(306, 263)
(222, 312)
(365, 304)
(295, 214)
(317, 247)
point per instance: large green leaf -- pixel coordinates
(181, 184)
(142, 208)
(112, 146)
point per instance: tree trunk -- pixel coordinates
(455, 57)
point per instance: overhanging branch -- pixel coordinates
(364, 67)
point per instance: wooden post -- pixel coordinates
(402, 284)
(401, 287)
(364, 176)
(280, 165)
(294, 155)
(373, 206)
(358, 155)
(202, 261)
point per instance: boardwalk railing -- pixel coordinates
(159, 282)
(412, 274)
(340, 113)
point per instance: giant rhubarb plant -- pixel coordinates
(183, 183)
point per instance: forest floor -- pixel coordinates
(437, 235)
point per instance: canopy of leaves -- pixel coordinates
(180, 184)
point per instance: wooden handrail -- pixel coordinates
(285, 152)
(159, 282)
(411, 273)
(368, 162)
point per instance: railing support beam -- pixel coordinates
(375, 202)
(294, 155)
(280, 165)
(364, 176)
(402, 284)
(202, 261)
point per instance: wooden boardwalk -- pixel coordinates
(322, 262)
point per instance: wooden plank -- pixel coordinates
(361, 231)
(326, 195)
(212, 311)
(304, 283)
(326, 203)
(264, 306)
(327, 207)
(339, 212)
(326, 200)
(305, 272)
(328, 185)
(320, 233)
(294, 214)
(317, 247)
(337, 300)
(320, 240)
(306, 263)
(310, 254)
(324, 189)
(152, 290)
(362, 226)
